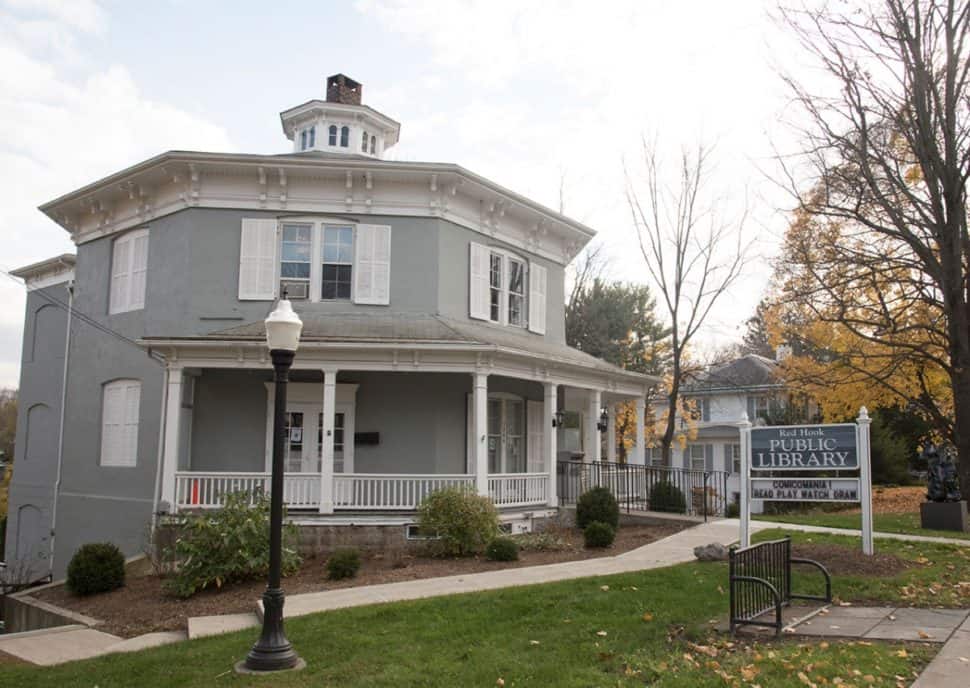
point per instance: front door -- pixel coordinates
(301, 428)
(506, 421)
(342, 430)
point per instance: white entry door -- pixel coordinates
(506, 435)
(301, 427)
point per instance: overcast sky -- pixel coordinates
(525, 94)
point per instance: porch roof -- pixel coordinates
(405, 330)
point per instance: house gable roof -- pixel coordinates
(750, 371)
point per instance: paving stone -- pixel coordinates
(837, 612)
(941, 618)
(143, 642)
(48, 649)
(888, 630)
(949, 668)
(202, 626)
(847, 627)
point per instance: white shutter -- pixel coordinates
(120, 274)
(537, 298)
(257, 259)
(534, 419)
(131, 401)
(139, 269)
(119, 423)
(372, 265)
(478, 284)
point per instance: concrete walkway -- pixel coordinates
(51, 646)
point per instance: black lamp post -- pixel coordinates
(273, 652)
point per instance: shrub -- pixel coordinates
(228, 545)
(665, 496)
(96, 567)
(463, 521)
(343, 563)
(598, 534)
(597, 504)
(545, 541)
(733, 510)
(502, 549)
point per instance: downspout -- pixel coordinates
(156, 496)
(60, 432)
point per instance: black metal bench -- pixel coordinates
(761, 581)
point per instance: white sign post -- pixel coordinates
(809, 448)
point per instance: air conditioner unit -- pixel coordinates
(295, 290)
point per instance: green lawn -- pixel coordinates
(649, 628)
(885, 523)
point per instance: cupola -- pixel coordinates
(341, 124)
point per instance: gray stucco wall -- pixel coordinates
(38, 422)
(421, 418)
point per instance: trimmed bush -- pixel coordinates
(597, 504)
(502, 549)
(599, 535)
(463, 522)
(733, 510)
(96, 567)
(343, 563)
(228, 545)
(665, 496)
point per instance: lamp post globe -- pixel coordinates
(273, 652)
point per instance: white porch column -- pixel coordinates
(326, 451)
(480, 431)
(611, 438)
(173, 433)
(549, 448)
(640, 447)
(591, 441)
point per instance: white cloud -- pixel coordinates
(60, 130)
(545, 88)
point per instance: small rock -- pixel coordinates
(715, 551)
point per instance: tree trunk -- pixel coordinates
(668, 435)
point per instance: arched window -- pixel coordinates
(373, 145)
(313, 137)
(303, 140)
(344, 137)
(363, 143)
(333, 135)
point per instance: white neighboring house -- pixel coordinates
(723, 394)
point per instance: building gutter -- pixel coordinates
(60, 431)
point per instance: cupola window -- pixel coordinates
(344, 137)
(373, 145)
(303, 140)
(333, 135)
(363, 143)
(313, 137)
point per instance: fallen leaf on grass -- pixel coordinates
(601, 634)
(604, 588)
(500, 682)
(533, 642)
(647, 616)
(902, 653)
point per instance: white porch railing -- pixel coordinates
(390, 491)
(207, 490)
(356, 491)
(518, 489)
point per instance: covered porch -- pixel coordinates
(375, 428)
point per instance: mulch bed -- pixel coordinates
(142, 606)
(846, 561)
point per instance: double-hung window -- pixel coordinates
(129, 266)
(697, 457)
(338, 262)
(516, 290)
(332, 135)
(735, 458)
(314, 259)
(506, 289)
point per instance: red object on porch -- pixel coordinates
(195, 492)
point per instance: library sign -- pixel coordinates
(822, 455)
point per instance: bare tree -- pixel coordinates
(885, 161)
(692, 253)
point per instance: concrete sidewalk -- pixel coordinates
(758, 526)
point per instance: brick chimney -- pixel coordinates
(343, 89)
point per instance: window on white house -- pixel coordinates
(313, 137)
(735, 458)
(129, 265)
(656, 456)
(119, 423)
(697, 457)
(303, 140)
(373, 145)
(344, 137)
(760, 407)
(332, 138)
(338, 262)
(363, 143)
